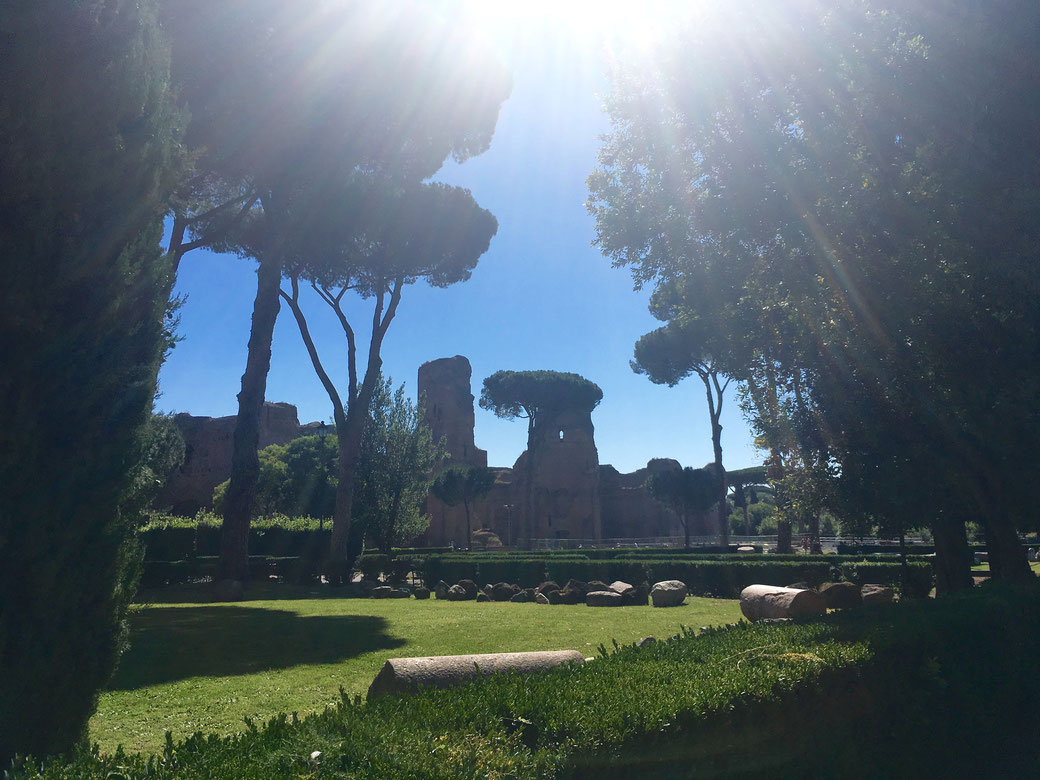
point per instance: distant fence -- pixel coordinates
(767, 540)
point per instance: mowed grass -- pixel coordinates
(205, 666)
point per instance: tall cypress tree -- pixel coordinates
(88, 142)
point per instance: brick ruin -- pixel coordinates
(207, 454)
(561, 492)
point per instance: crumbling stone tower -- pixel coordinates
(560, 470)
(449, 413)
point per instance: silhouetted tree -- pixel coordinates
(463, 484)
(88, 146)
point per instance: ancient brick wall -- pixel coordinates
(207, 454)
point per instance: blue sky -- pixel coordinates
(541, 298)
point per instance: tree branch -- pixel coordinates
(293, 302)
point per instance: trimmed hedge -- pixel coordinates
(919, 576)
(159, 574)
(860, 693)
(178, 543)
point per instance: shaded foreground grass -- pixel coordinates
(205, 667)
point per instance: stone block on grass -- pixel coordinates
(841, 595)
(603, 598)
(408, 675)
(668, 593)
(637, 597)
(470, 587)
(771, 601)
(458, 593)
(873, 595)
(503, 591)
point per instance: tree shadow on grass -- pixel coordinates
(170, 644)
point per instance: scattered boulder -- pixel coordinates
(382, 592)
(637, 597)
(620, 587)
(523, 597)
(745, 549)
(547, 586)
(229, 590)
(503, 591)
(800, 586)
(541, 598)
(598, 585)
(603, 598)
(422, 593)
(646, 640)
(841, 595)
(873, 595)
(770, 601)
(554, 596)
(440, 590)
(668, 593)
(470, 587)
(577, 585)
(400, 593)
(457, 593)
(482, 597)
(570, 595)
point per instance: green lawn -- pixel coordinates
(205, 666)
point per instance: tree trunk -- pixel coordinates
(815, 548)
(784, 537)
(686, 532)
(1007, 556)
(903, 569)
(469, 530)
(952, 558)
(747, 519)
(245, 464)
(715, 412)
(348, 435)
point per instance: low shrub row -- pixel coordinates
(175, 543)
(890, 692)
(159, 574)
(168, 542)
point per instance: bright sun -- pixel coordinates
(617, 22)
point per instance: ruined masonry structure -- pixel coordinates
(207, 454)
(445, 386)
(561, 491)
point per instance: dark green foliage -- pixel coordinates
(531, 394)
(463, 484)
(397, 455)
(855, 694)
(846, 193)
(163, 452)
(179, 543)
(687, 491)
(88, 139)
